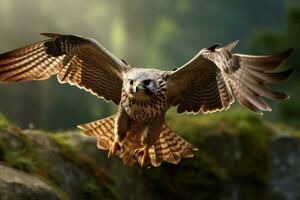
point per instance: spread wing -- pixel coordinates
(75, 60)
(215, 77)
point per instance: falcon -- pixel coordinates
(211, 81)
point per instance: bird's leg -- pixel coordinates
(142, 154)
(151, 135)
(120, 129)
(115, 147)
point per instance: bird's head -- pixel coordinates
(142, 83)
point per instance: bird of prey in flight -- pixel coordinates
(211, 81)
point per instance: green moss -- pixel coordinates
(4, 123)
(198, 178)
(285, 130)
(246, 133)
(96, 187)
(15, 150)
(18, 162)
(23, 156)
(68, 150)
(62, 141)
(251, 171)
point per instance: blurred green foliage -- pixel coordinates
(161, 34)
(276, 41)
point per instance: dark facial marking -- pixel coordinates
(146, 82)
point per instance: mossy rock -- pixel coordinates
(21, 163)
(235, 159)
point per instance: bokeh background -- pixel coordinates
(166, 34)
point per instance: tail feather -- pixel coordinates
(92, 125)
(170, 147)
(103, 129)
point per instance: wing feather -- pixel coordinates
(75, 60)
(215, 77)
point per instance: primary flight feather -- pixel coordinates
(209, 82)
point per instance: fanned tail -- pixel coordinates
(170, 147)
(102, 129)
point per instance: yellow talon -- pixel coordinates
(141, 154)
(115, 147)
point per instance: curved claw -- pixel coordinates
(115, 147)
(141, 155)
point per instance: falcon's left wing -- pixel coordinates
(215, 77)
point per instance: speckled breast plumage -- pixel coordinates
(143, 110)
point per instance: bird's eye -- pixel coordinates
(130, 81)
(147, 82)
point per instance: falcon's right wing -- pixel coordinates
(75, 60)
(215, 77)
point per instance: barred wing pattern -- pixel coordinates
(75, 60)
(215, 77)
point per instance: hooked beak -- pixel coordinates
(137, 86)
